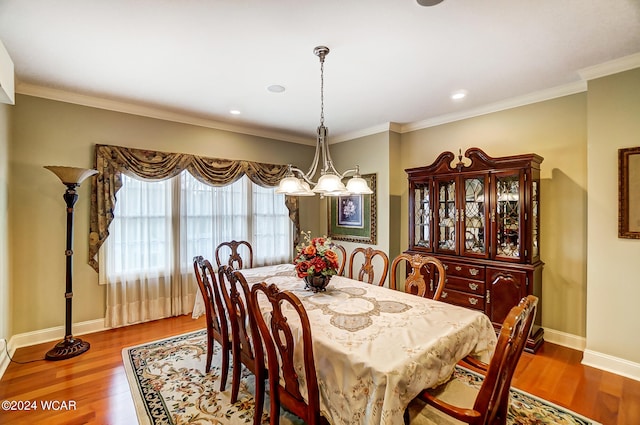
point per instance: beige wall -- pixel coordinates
(556, 130)
(55, 133)
(372, 154)
(613, 326)
(5, 290)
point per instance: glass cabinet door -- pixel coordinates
(473, 216)
(535, 220)
(446, 215)
(507, 216)
(422, 216)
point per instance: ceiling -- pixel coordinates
(392, 64)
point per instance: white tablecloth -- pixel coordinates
(376, 349)
(254, 275)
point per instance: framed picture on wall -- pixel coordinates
(352, 218)
(629, 193)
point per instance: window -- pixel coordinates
(161, 224)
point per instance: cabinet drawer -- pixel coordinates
(470, 271)
(465, 285)
(462, 299)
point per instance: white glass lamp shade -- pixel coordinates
(293, 186)
(71, 175)
(289, 185)
(306, 190)
(358, 185)
(330, 184)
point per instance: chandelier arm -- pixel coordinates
(314, 164)
(300, 174)
(354, 171)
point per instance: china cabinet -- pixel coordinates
(480, 216)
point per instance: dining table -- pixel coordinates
(376, 348)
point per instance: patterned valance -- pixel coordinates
(112, 161)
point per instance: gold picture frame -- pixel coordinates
(629, 193)
(352, 218)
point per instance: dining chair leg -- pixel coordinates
(235, 376)
(225, 368)
(260, 377)
(209, 352)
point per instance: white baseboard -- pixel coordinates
(592, 358)
(566, 340)
(4, 360)
(611, 364)
(57, 333)
(45, 335)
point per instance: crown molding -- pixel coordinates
(612, 67)
(535, 97)
(389, 126)
(150, 112)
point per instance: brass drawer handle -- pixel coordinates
(444, 295)
(474, 272)
(445, 266)
(458, 268)
(473, 286)
(473, 301)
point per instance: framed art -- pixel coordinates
(352, 218)
(629, 193)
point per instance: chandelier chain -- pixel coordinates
(322, 93)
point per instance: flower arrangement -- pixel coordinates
(315, 257)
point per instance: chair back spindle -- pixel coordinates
(415, 283)
(235, 260)
(367, 269)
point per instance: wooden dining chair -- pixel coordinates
(236, 294)
(217, 328)
(367, 269)
(481, 367)
(235, 259)
(342, 255)
(415, 283)
(492, 401)
(279, 343)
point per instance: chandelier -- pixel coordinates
(298, 183)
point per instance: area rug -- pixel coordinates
(169, 386)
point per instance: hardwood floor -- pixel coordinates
(95, 381)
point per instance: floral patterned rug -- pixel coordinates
(169, 386)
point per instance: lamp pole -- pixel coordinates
(69, 346)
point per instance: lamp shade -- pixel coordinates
(358, 185)
(71, 175)
(289, 185)
(306, 190)
(330, 184)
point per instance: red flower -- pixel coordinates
(302, 268)
(315, 257)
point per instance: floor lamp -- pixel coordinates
(71, 177)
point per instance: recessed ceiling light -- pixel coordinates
(276, 88)
(234, 112)
(459, 94)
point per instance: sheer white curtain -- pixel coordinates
(159, 227)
